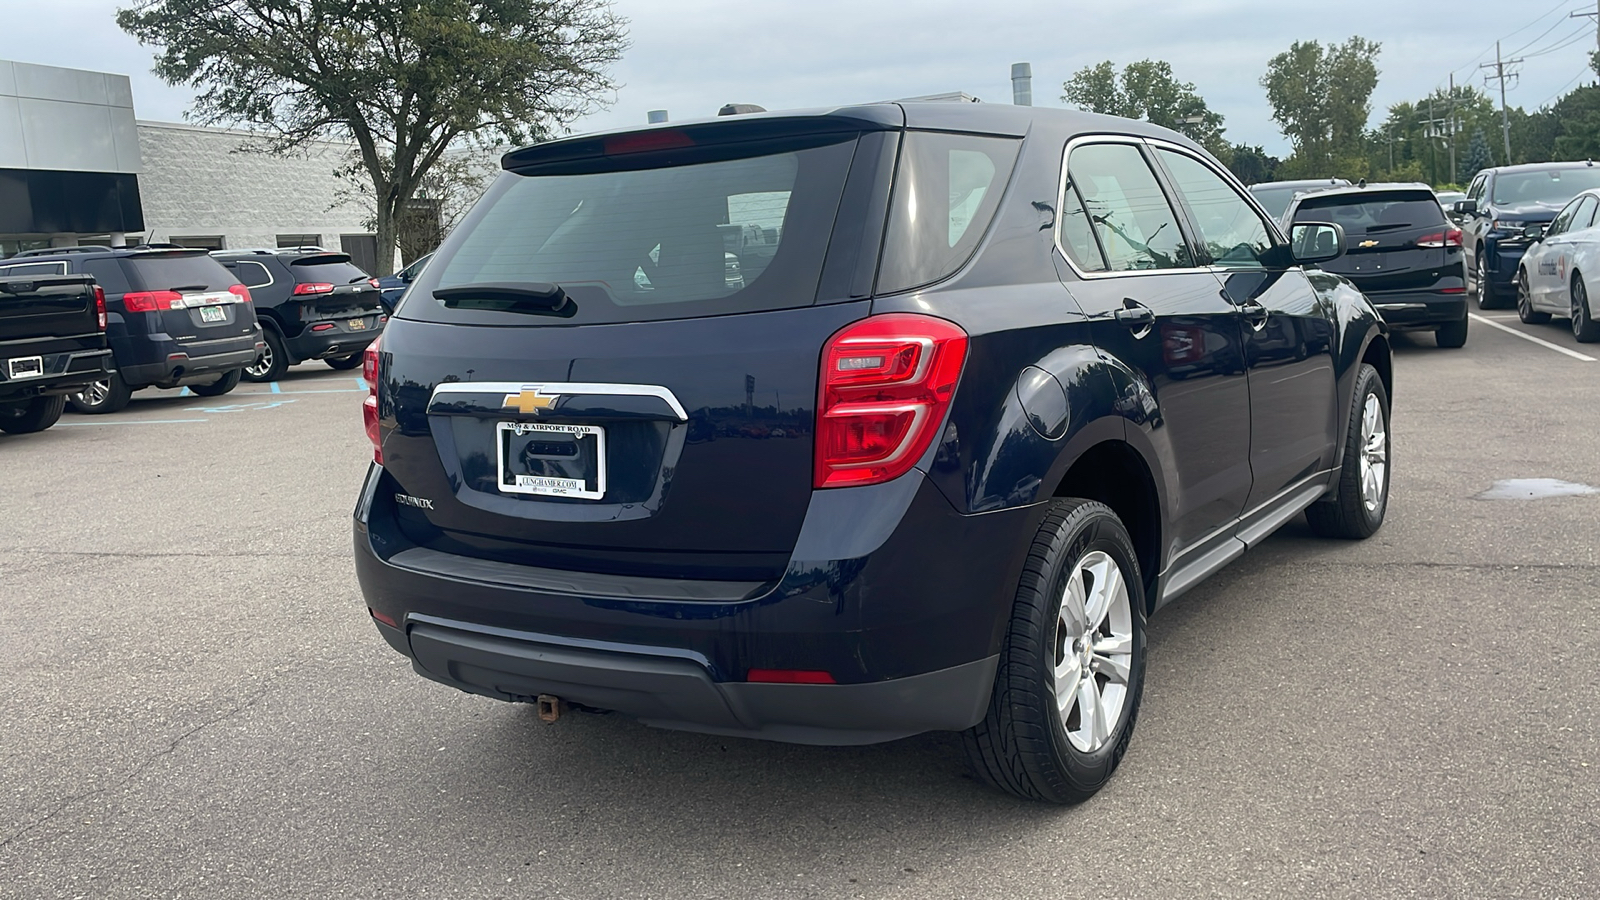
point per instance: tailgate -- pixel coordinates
(43, 306)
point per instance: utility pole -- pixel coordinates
(1452, 114)
(1499, 67)
(1433, 132)
(1591, 15)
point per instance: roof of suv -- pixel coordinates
(1356, 190)
(63, 253)
(1542, 167)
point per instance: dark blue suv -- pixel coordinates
(836, 427)
(1500, 204)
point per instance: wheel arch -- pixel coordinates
(1115, 473)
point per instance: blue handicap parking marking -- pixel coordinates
(240, 407)
(275, 388)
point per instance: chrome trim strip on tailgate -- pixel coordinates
(563, 388)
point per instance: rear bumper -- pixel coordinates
(901, 599)
(1419, 310)
(178, 363)
(65, 373)
(335, 342)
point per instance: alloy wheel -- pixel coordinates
(263, 363)
(1093, 652)
(96, 393)
(1374, 453)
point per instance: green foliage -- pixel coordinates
(405, 80)
(1252, 165)
(1321, 99)
(1479, 156)
(1147, 90)
(1422, 132)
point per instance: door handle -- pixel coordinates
(1136, 315)
(1255, 314)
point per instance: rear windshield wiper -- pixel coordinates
(535, 297)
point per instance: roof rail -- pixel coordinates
(56, 251)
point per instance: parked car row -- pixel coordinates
(170, 317)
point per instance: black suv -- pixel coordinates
(175, 317)
(1401, 251)
(1275, 196)
(313, 305)
(837, 427)
(1501, 203)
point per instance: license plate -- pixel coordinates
(25, 367)
(358, 324)
(550, 460)
(213, 314)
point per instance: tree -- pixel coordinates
(406, 81)
(1147, 90)
(1321, 99)
(1479, 156)
(1252, 165)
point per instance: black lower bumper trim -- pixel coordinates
(671, 689)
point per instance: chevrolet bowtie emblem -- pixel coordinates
(530, 400)
(1365, 244)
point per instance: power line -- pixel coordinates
(1558, 24)
(1575, 79)
(1580, 35)
(1480, 54)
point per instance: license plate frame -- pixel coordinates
(213, 315)
(19, 367)
(507, 435)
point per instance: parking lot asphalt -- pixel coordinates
(197, 706)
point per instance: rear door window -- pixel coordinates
(947, 189)
(177, 272)
(253, 274)
(1132, 219)
(38, 268)
(674, 241)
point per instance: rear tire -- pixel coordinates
(219, 387)
(1079, 612)
(1356, 510)
(30, 416)
(273, 361)
(1453, 335)
(345, 363)
(1584, 327)
(1525, 310)
(108, 395)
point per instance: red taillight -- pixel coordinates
(369, 406)
(100, 305)
(789, 676)
(312, 287)
(150, 301)
(1439, 240)
(240, 291)
(885, 386)
(374, 282)
(385, 618)
(646, 141)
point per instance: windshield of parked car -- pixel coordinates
(1550, 187)
(1373, 213)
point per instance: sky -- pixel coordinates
(692, 56)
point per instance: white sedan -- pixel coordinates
(1561, 271)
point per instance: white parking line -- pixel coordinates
(1528, 337)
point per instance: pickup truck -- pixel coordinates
(52, 343)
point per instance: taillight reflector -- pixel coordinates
(885, 386)
(385, 618)
(312, 287)
(1438, 240)
(369, 406)
(100, 305)
(324, 326)
(789, 676)
(150, 301)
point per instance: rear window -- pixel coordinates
(38, 268)
(171, 272)
(677, 241)
(1373, 213)
(107, 273)
(946, 191)
(327, 270)
(1549, 187)
(1275, 200)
